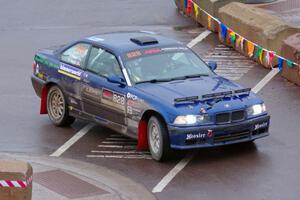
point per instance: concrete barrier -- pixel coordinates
(291, 51)
(210, 6)
(256, 25)
(15, 180)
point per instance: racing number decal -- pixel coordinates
(119, 99)
(113, 100)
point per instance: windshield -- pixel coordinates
(156, 65)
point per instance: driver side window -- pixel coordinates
(103, 63)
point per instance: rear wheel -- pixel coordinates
(57, 108)
(158, 139)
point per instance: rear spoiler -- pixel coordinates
(207, 97)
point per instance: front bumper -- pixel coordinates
(218, 135)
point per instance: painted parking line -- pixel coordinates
(265, 80)
(72, 140)
(168, 178)
(117, 146)
(199, 38)
(180, 166)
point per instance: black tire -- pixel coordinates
(159, 151)
(57, 108)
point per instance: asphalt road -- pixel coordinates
(266, 170)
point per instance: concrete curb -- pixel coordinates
(124, 187)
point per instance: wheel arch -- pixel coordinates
(143, 126)
(44, 94)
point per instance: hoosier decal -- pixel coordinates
(70, 71)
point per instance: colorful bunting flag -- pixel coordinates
(261, 58)
(185, 4)
(270, 56)
(209, 22)
(250, 49)
(280, 63)
(242, 44)
(189, 7)
(223, 31)
(196, 10)
(232, 37)
(290, 63)
(258, 52)
(238, 42)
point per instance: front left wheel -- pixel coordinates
(158, 139)
(57, 108)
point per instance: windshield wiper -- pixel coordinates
(189, 76)
(155, 81)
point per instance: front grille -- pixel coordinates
(238, 115)
(222, 118)
(228, 117)
(231, 137)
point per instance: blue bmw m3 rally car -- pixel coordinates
(148, 87)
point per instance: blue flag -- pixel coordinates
(280, 63)
(223, 31)
(185, 4)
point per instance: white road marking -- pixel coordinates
(199, 38)
(119, 142)
(121, 156)
(73, 140)
(117, 146)
(265, 80)
(121, 152)
(168, 178)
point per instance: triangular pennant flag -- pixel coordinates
(196, 10)
(209, 22)
(189, 7)
(223, 31)
(280, 63)
(250, 49)
(290, 63)
(185, 4)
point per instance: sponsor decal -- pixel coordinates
(70, 71)
(96, 39)
(151, 51)
(73, 101)
(192, 136)
(107, 94)
(210, 133)
(261, 125)
(134, 54)
(129, 110)
(93, 92)
(39, 58)
(119, 99)
(131, 96)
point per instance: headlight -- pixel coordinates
(190, 119)
(256, 109)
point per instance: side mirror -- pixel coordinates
(212, 65)
(116, 79)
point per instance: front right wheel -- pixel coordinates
(158, 139)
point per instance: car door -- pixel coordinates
(103, 99)
(71, 69)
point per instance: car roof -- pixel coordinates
(120, 42)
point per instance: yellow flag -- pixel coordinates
(250, 48)
(261, 56)
(238, 41)
(209, 22)
(196, 10)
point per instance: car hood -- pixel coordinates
(168, 91)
